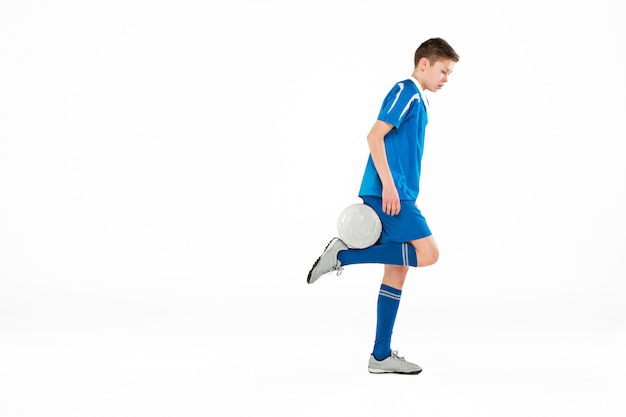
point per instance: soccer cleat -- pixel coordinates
(393, 364)
(328, 261)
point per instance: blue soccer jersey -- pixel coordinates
(404, 107)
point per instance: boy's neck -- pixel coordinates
(417, 75)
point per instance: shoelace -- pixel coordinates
(337, 270)
(394, 353)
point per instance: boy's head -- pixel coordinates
(434, 61)
(435, 49)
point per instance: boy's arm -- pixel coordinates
(376, 142)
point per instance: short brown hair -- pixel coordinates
(435, 49)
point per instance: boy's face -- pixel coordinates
(436, 73)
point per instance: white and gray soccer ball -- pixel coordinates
(359, 226)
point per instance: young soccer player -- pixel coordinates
(390, 185)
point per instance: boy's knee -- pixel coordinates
(395, 275)
(426, 250)
(434, 257)
(428, 258)
(404, 270)
(397, 271)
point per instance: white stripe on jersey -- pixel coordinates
(415, 97)
(401, 85)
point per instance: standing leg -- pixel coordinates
(383, 359)
(388, 303)
(391, 291)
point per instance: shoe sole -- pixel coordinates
(308, 278)
(382, 371)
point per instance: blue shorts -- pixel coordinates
(405, 226)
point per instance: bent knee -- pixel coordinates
(428, 258)
(426, 250)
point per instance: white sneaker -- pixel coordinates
(393, 364)
(328, 261)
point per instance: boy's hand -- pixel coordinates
(391, 200)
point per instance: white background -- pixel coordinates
(169, 171)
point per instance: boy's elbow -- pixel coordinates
(373, 138)
(378, 132)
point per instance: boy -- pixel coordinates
(390, 185)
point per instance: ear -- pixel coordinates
(423, 63)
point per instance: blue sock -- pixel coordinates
(388, 254)
(388, 302)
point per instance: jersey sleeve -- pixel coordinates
(397, 103)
